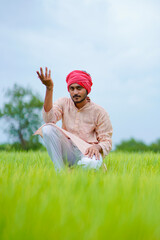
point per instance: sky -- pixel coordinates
(116, 41)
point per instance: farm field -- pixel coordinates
(122, 203)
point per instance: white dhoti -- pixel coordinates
(63, 151)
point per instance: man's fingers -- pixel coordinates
(49, 74)
(96, 153)
(42, 75)
(97, 156)
(38, 74)
(91, 153)
(46, 72)
(86, 152)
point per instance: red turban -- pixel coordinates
(80, 77)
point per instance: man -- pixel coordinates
(85, 136)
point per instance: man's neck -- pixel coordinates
(81, 104)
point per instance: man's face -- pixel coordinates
(77, 93)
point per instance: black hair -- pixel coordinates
(85, 72)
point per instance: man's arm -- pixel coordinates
(51, 112)
(47, 81)
(104, 133)
(48, 100)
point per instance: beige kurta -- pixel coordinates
(85, 127)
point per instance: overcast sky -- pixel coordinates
(116, 41)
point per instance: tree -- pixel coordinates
(132, 146)
(138, 146)
(155, 146)
(22, 115)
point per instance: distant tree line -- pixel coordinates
(22, 114)
(138, 146)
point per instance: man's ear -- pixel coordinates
(88, 99)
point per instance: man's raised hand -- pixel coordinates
(46, 78)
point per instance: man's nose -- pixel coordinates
(75, 91)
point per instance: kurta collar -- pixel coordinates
(86, 105)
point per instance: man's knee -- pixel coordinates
(48, 130)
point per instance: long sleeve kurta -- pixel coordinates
(86, 126)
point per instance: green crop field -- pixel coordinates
(122, 203)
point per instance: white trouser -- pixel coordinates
(62, 150)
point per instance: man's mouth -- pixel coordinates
(76, 96)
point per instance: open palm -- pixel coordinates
(46, 78)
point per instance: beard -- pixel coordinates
(79, 101)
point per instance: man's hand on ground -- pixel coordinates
(46, 78)
(94, 150)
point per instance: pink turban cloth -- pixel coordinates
(80, 77)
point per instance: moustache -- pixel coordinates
(76, 96)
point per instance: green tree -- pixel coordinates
(155, 146)
(132, 146)
(22, 115)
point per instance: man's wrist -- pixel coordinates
(98, 147)
(50, 88)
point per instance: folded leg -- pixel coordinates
(60, 149)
